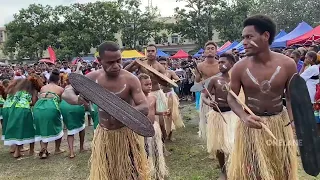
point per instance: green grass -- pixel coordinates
(188, 160)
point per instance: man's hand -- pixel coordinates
(213, 104)
(83, 101)
(252, 121)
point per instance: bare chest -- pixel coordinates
(266, 81)
(209, 70)
(120, 88)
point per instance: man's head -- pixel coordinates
(295, 55)
(146, 83)
(314, 48)
(151, 52)
(163, 62)
(65, 65)
(226, 61)
(288, 52)
(258, 33)
(210, 50)
(110, 58)
(311, 58)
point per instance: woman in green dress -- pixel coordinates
(74, 119)
(47, 116)
(19, 128)
(2, 99)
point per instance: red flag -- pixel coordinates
(52, 55)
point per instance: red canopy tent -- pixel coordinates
(224, 46)
(47, 61)
(180, 54)
(310, 36)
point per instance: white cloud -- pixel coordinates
(10, 7)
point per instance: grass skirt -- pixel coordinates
(256, 155)
(204, 109)
(118, 155)
(175, 117)
(220, 136)
(155, 154)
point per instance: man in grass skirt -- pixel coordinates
(117, 152)
(264, 76)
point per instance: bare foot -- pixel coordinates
(24, 149)
(31, 153)
(71, 156)
(16, 154)
(166, 153)
(222, 177)
(60, 151)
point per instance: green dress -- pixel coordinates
(95, 115)
(19, 128)
(73, 117)
(47, 118)
(5, 113)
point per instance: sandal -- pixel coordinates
(43, 154)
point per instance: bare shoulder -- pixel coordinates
(240, 65)
(130, 78)
(285, 61)
(94, 74)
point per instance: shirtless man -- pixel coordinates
(220, 135)
(173, 102)
(156, 90)
(112, 141)
(154, 144)
(264, 76)
(207, 68)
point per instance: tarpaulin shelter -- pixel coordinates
(239, 47)
(301, 29)
(279, 35)
(224, 46)
(312, 35)
(162, 54)
(230, 47)
(127, 54)
(199, 53)
(87, 59)
(180, 54)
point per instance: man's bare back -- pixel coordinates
(123, 86)
(263, 84)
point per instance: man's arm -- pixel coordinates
(174, 75)
(291, 69)
(198, 76)
(132, 67)
(69, 94)
(235, 86)
(211, 90)
(139, 99)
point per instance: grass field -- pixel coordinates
(188, 160)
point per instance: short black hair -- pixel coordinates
(152, 45)
(262, 23)
(162, 59)
(211, 43)
(107, 46)
(229, 57)
(296, 53)
(54, 76)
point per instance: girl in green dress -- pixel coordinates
(47, 115)
(2, 99)
(19, 128)
(74, 119)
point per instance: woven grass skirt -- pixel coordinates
(156, 159)
(174, 121)
(220, 136)
(204, 109)
(256, 155)
(118, 155)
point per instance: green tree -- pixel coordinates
(287, 13)
(229, 17)
(31, 32)
(138, 27)
(195, 20)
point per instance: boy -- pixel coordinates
(154, 145)
(219, 134)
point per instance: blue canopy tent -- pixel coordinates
(161, 53)
(301, 29)
(281, 34)
(199, 53)
(230, 47)
(239, 47)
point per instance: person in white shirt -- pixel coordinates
(65, 68)
(311, 74)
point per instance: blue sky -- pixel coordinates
(10, 7)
